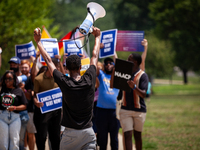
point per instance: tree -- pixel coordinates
(132, 14)
(18, 19)
(178, 21)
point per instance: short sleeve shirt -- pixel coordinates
(12, 97)
(143, 85)
(78, 98)
(107, 96)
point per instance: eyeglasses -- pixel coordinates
(111, 63)
(9, 79)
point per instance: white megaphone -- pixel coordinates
(22, 78)
(95, 11)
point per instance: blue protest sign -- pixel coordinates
(24, 51)
(51, 46)
(71, 49)
(108, 38)
(52, 100)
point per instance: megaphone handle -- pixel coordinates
(88, 9)
(87, 38)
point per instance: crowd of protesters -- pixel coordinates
(88, 110)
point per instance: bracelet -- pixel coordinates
(134, 87)
(14, 107)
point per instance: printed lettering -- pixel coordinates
(122, 75)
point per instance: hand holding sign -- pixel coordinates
(38, 104)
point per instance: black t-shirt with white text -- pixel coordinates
(78, 98)
(12, 97)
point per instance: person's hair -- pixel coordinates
(4, 78)
(25, 62)
(42, 69)
(73, 62)
(137, 57)
(108, 59)
(55, 61)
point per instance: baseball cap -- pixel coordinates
(108, 59)
(15, 60)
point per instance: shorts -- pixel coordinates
(30, 125)
(130, 120)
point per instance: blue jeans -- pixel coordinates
(24, 120)
(10, 125)
(107, 122)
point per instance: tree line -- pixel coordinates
(171, 27)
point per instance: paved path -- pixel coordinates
(120, 143)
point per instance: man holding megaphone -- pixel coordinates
(78, 96)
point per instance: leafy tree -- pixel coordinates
(18, 19)
(178, 21)
(132, 14)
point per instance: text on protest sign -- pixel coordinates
(52, 100)
(24, 51)
(108, 38)
(51, 46)
(122, 74)
(130, 41)
(70, 47)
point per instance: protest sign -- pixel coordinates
(24, 51)
(51, 46)
(108, 38)
(122, 74)
(85, 64)
(130, 41)
(70, 47)
(52, 100)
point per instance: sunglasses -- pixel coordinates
(9, 79)
(111, 63)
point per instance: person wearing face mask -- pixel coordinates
(106, 120)
(15, 64)
(12, 101)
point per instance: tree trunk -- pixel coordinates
(185, 76)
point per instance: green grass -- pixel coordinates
(189, 89)
(173, 118)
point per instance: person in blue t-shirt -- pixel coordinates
(106, 120)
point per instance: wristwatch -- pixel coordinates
(134, 87)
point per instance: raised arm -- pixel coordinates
(144, 54)
(0, 56)
(45, 55)
(95, 53)
(115, 56)
(35, 69)
(60, 63)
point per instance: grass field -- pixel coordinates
(173, 118)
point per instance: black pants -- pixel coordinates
(106, 121)
(47, 123)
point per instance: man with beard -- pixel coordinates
(106, 120)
